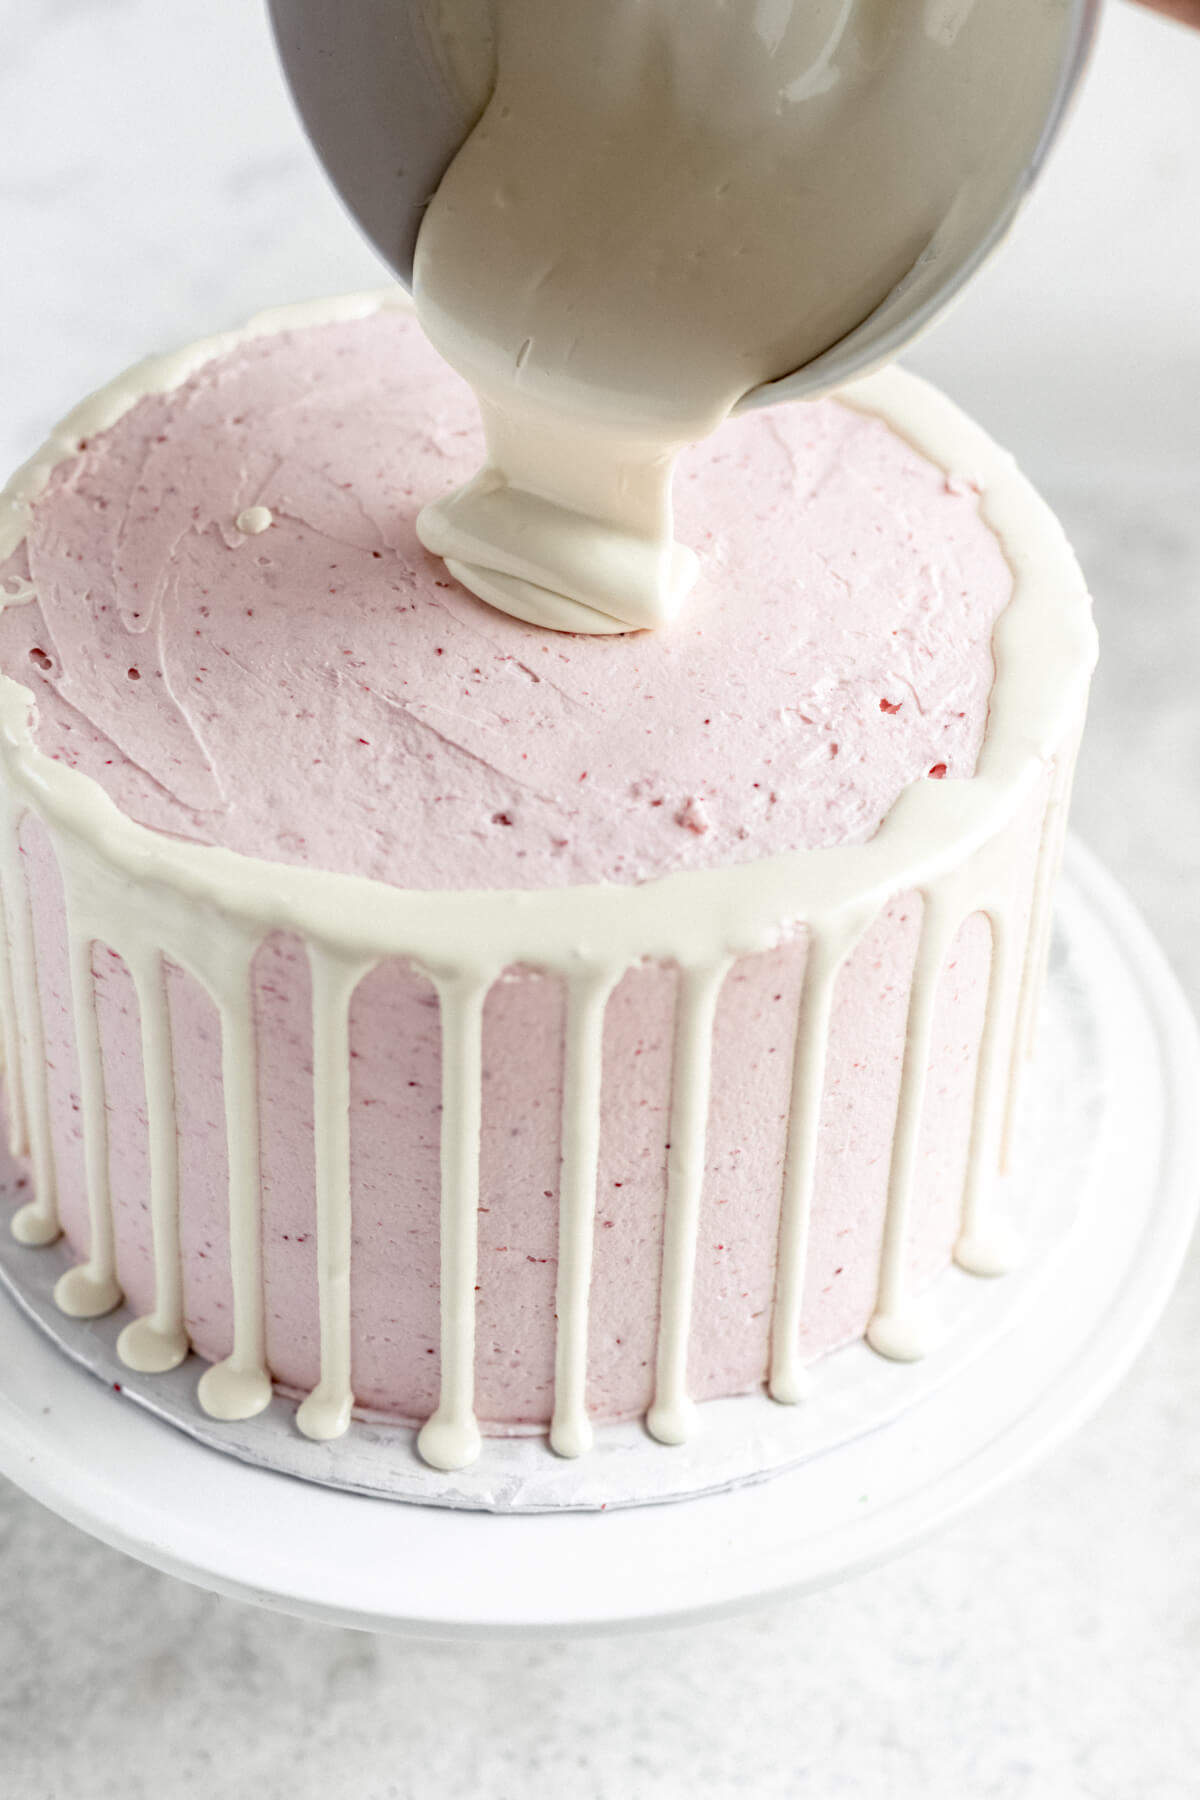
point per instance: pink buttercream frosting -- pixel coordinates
(323, 693)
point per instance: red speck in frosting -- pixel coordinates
(938, 771)
(890, 706)
(692, 816)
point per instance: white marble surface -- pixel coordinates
(153, 186)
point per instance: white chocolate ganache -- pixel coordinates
(665, 204)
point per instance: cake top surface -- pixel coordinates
(238, 634)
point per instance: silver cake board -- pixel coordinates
(742, 1440)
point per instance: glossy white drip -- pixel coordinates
(207, 910)
(897, 1328)
(449, 1438)
(1049, 864)
(326, 1411)
(10, 1037)
(37, 1222)
(90, 1288)
(998, 1252)
(159, 1341)
(985, 1245)
(824, 955)
(14, 591)
(672, 1416)
(583, 1069)
(240, 1386)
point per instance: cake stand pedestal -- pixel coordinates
(376, 1564)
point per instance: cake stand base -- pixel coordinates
(354, 1559)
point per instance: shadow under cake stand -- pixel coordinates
(775, 1499)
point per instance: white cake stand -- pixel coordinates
(381, 1565)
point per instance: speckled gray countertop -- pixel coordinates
(153, 187)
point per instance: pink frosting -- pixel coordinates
(322, 693)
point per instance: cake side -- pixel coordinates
(396, 1100)
(957, 845)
